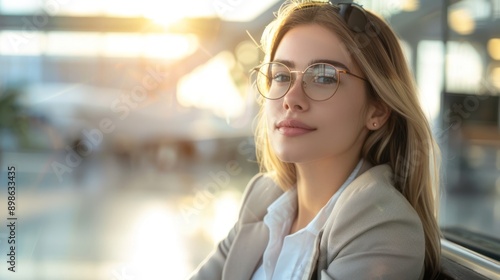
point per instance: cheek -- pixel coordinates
(271, 110)
(344, 118)
(352, 104)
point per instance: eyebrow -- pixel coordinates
(291, 64)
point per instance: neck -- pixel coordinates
(317, 182)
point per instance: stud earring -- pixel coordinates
(374, 124)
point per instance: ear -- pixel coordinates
(377, 115)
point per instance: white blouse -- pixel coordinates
(286, 255)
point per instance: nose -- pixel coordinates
(295, 99)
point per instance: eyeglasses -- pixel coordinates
(319, 81)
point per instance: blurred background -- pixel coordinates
(129, 124)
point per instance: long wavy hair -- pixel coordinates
(405, 141)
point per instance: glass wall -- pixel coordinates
(471, 126)
(126, 130)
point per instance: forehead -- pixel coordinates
(312, 42)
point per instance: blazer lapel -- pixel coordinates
(248, 247)
(251, 240)
(311, 269)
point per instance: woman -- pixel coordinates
(350, 168)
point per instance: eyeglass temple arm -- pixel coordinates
(352, 74)
(257, 70)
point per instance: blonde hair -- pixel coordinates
(405, 141)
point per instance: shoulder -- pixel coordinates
(370, 213)
(374, 191)
(260, 192)
(374, 229)
(371, 199)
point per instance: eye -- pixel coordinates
(322, 74)
(326, 80)
(281, 77)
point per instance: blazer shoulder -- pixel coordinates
(375, 189)
(372, 230)
(260, 192)
(371, 209)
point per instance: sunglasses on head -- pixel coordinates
(353, 14)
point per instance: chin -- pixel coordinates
(295, 150)
(292, 156)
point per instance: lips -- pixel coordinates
(291, 127)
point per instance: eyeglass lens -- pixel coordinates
(319, 81)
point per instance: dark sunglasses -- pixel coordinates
(353, 14)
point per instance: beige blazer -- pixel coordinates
(371, 233)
